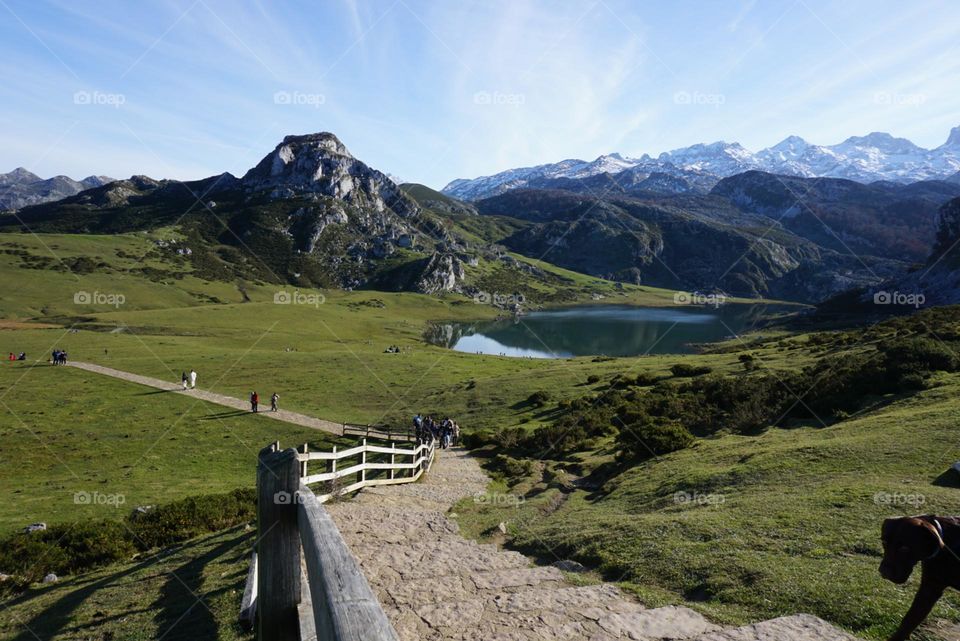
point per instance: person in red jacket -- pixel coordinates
(254, 401)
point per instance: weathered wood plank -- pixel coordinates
(345, 607)
(278, 545)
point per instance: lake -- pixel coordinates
(610, 330)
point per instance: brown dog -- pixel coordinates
(932, 541)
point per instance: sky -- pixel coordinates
(433, 91)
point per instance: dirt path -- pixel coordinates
(220, 399)
(434, 584)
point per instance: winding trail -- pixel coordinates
(220, 399)
(436, 585)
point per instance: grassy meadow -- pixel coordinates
(743, 527)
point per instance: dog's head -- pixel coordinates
(907, 541)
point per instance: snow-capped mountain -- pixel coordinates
(876, 156)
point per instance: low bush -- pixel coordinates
(70, 548)
(685, 370)
(539, 399)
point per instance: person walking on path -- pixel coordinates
(183, 379)
(273, 402)
(254, 402)
(193, 379)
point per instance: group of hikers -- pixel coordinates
(428, 430)
(255, 402)
(59, 357)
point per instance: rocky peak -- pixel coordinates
(883, 141)
(18, 176)
(319, 165)
(953, 140)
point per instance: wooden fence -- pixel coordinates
(304, 583)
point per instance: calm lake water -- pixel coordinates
(601, 330)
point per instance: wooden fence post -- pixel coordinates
(303, 449)
(363, 461)
(278, 545)
(393, 459)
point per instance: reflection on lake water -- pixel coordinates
(601, 330)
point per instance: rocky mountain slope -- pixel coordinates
(690, 243)
(937, 282)
(308, 213)
(20, 188)
(876, 156)
(885, 219)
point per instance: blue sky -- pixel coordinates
(431, 91)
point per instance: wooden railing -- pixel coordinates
(382, 432)
(321, 593)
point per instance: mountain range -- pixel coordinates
(20, 188)
(877, 156)
(312, 215)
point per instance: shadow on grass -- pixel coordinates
(183, 606)
(57, 618)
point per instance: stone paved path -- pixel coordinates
(434, 584)
(220, 399)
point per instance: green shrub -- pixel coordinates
(539, 398)
(593, 379)
(513, 468)
(645, 379)
(70, 548)
(648, 438)
(685, 370)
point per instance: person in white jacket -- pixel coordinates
(193, 379)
